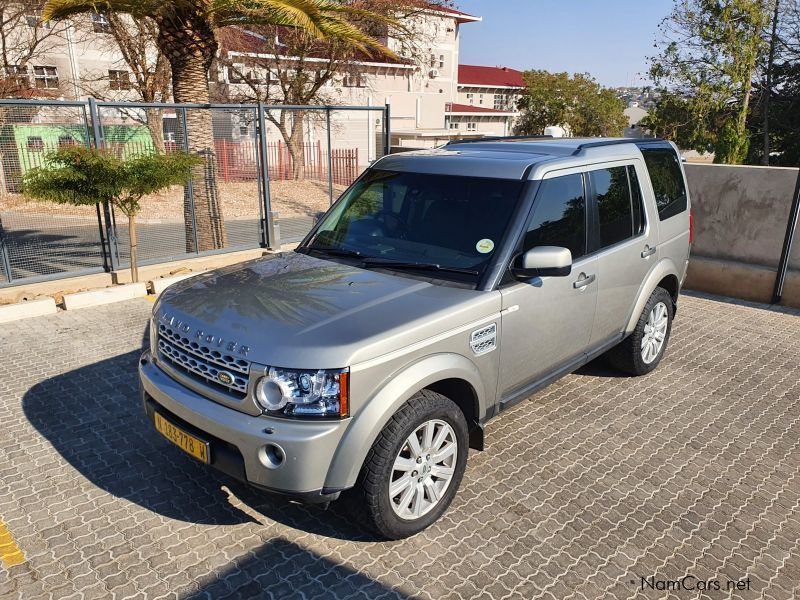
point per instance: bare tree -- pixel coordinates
(141, 72)
(24, 37)
(288, 66)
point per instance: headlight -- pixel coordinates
(299, 393)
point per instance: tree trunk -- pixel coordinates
(767, 91)
(189, 44)
(132, 237)
(155, 124)
(295, 143)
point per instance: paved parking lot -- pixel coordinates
(593, 488)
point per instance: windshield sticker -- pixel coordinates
(484, 246)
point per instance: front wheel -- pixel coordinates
(643, 349)
(415, 467)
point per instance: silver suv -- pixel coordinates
(442, 288)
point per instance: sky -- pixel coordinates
(610, 39)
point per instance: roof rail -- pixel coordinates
(600, 143)
(498, 138)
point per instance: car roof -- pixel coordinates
(509, 158)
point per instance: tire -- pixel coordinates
(372, 494)
(629, 356)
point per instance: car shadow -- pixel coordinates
(600, 367)
(282, 569)
(94, 418)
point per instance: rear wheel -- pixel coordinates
(641, 351)
(415, 467)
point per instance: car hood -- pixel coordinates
(297, 311)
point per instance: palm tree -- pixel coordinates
(186, 36)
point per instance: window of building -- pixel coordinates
(66, 140)
(46, 77)
(559, 216)
(235, 74)
(244, 131)
(34, 20)
(455, 125)
(472, 126)
(35, 143)
(500, 102)
(353, 80)
(119, 80)
(614, 207)
(480, 99)
(100, 23)
(470, 98)
(665, 173)
(441, 61)
(17, 73)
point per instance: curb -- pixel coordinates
(30, 308)
(104, 296)
(157, 286)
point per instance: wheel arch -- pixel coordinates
(451, 375)
(663, 274)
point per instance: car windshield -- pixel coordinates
(398, 220)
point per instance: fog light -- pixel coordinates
(271, 456)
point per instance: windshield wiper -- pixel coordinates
(423, 266)
(334, 251)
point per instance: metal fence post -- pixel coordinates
(111, 234)
(4, 260)
(387, 130)
(330, 155)
(269, 231)
(786, 251)
(189, 189)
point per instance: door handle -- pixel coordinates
(583, 281)
(648, 251)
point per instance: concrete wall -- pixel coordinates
(740, 217)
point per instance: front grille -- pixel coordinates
(202, 362)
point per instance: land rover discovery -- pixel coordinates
(443, 287)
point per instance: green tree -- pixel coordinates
(577, 103)
(83, 176)
(709, 58)
(186, 36)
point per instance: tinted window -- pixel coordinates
(638, 203)
(613, 204)
(665, 174)
(559, 216)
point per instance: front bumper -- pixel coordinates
(241, 445)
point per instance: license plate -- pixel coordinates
(185, 441)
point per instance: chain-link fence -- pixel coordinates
(269, 172)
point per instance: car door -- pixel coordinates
(625, 246)
(547, 321)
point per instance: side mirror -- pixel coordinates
(542, 261)
(318, 217)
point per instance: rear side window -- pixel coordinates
(613, 204)
(665, 173)
(559, 216)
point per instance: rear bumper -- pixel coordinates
(241, 445)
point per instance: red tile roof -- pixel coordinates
(469, 108)
(489, 76)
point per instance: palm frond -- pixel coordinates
(60, 9)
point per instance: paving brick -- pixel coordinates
(591, 483)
